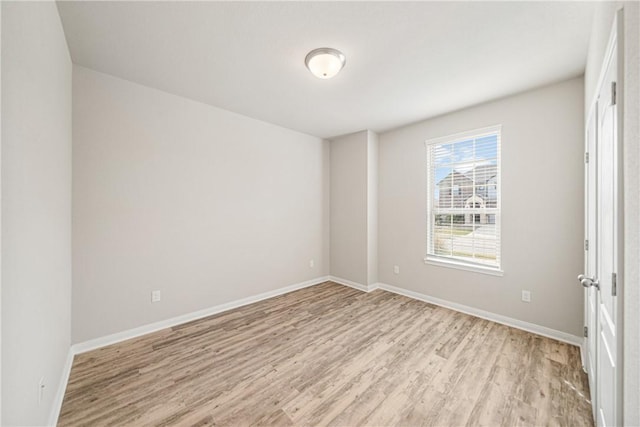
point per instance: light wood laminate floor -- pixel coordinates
(331, 355)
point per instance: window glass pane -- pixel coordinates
(442, 154)
(463, 151)
(485, 240)
(486, 148)
(444, 185)
(442, 235)
(443, 176)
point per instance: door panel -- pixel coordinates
(606, 258)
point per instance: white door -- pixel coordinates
(602, 280)
(606, 258)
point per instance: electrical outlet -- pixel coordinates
(312, 263)
(156, 296)
(41, 386)
(526, 296)
(396, 269)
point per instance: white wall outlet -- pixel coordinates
(41, 386)
(396, 269)
(312, 263)
(526, 296)
(156, 296)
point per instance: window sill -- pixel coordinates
(463, 266)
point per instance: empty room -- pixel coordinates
(309, 213)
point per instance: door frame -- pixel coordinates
(590, 253)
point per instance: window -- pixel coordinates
(463, 200)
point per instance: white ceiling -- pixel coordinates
(406, 61)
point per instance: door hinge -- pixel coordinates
(586, 332)
(613, 93)
(614, 284)
(586, 157)
(586, 244)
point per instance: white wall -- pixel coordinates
(372, 207)
(0, 215)
(603, 21)
(171, 194)
(349, 250)
(542, 216)
(354, 207)
(36, 208)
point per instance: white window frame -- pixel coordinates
(446, 261)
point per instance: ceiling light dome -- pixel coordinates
(325, 62)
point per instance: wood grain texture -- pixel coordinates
(331, 355)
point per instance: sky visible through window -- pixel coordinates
(463, 156)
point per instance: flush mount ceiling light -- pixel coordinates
(325, 62)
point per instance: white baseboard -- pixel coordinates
(504, 320)
(62, 387)
(168, 323)
(349, 283)
(352, 284)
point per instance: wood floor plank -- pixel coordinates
(331, 355)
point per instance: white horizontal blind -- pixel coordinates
(464, 198)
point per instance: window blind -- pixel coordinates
(464, 198)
